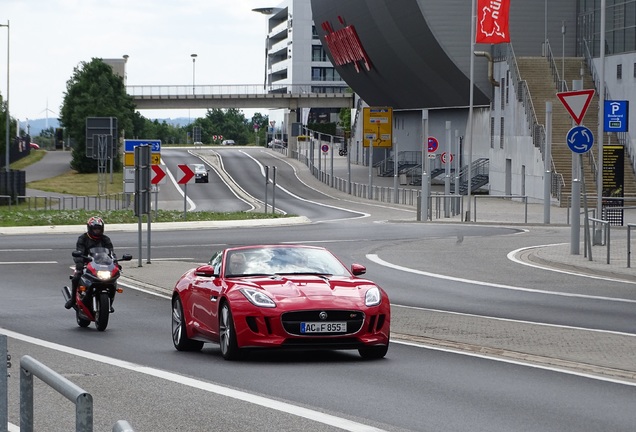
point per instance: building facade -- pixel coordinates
(296, 57)
(414, 55)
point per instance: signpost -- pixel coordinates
(188, 174)
(580, 140)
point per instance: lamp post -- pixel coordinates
(194, 57)
(6, 167)
(125, 56)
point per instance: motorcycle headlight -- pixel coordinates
(372, 297)
(103, 274)
(258, 297)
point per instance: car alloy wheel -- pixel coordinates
(227, 334)
(180, 338)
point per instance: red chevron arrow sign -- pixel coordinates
(188, 174)
(159, 174)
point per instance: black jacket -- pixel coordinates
(85, 243)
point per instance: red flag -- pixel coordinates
(492, 21)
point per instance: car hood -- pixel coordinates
(283, 288)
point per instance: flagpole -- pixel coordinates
(469, 141)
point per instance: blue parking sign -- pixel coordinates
(616, 116)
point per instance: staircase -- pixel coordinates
(536, 72)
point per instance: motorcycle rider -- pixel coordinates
(93, 237)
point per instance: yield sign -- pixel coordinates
(159, 174)
(188, 174)
(576, 102)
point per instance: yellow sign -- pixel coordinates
(378, 126)
(129, 159)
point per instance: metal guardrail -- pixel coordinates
(629, 244)
(29, 367)
(606, 232)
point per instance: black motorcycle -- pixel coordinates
(97, 287)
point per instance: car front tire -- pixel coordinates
(373, 352)
(179, 334)
(227, 334)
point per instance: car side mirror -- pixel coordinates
(205, 271)
(358, 269)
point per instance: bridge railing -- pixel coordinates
(190, 91)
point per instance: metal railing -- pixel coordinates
(623, 137)
(114, 201)
(629, 244)
(198, 91)
(606, 232)
(29, 367)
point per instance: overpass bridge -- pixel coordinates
(235, 96)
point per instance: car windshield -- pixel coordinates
(283, 260)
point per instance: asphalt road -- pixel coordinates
(145, 381)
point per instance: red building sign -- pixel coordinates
(345, 47)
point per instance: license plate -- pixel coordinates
(323, 327)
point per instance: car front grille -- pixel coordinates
(292, 320)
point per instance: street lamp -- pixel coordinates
(6, 167)
(125, 56)
(194, 57)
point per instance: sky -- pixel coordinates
(49, 38)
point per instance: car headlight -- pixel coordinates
(372, 297)
(258, 297)
(103, 274)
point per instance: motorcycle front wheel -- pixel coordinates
(103, 311)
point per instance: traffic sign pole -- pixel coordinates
(425, 170)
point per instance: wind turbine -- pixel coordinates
(47, 111)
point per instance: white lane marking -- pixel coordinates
(517, 362)
(28, 262)
(370, 204)
(512, 256)
(472, 354)
(223, 179)
(362, 215)
(25, 250)
(380, 261)
(560, 326)
(319, 417)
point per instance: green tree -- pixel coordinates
(345, 119)
(94, 91)
(263, 123)
(3, 129)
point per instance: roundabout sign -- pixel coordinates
(580, 139)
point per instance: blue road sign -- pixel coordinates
(130, 144)
(580, 139)
(616, 116)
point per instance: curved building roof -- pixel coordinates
(419, 51)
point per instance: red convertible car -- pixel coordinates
(279, 296)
